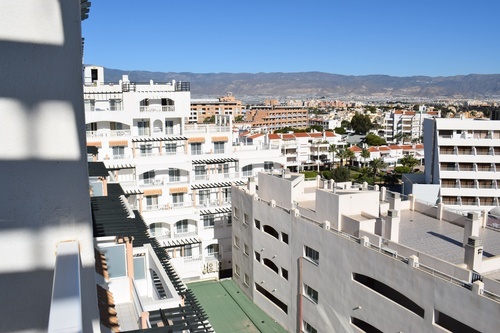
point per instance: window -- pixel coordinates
(257, 224)
(247, 171)
(311, 293)
(271, 231)
(246, 280)
(169, 127)
(139, 268)
(146, 149)
(226, 194)
(236, 241)
(204, 196)
(174, 175)
(271, 265)
(284, 273)
(188, 250)
(311, 254)
(213, 250)
(200, 173)
(196, 148)
(257, 256)
(208, 221)
(148, 177)
(115, 259)
(229, 219)
(143, 127)
(245, 219)
(219, 147)
(178, 199)
(118, 152)
(284, 237)
(245, 249)
(182, 226)
(308, 328)
(170, 148)
(151, 202)
(236, 213)
(268, 166)
(237, 270)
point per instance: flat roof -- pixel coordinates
(442, 239)
(230, 310)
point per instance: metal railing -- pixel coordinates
(157, 108)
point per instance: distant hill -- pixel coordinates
(319, 84)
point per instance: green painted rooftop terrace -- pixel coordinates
(230, 310)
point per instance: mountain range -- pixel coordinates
(319, 84)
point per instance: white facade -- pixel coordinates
(177, 175)
(405, 126)
(325, 257)
(44, 188)
(463, 157)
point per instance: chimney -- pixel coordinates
(392, 225)
(473, 253)
(471, 226)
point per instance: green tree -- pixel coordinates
(343, 155)
(376, 165)
(374, 140)
(409, 161)
(361, 124)
(340, 130)
(332, 149)
(341, 174)
(365, 154)
(346, 124)
(209, 120)
(350, 155)
(238, 119)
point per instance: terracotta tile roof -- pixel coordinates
(274, 137)
(355, 149)
(288, 137)
(316, 135)
(301, 135)
(406, 147)
(419, 146)
(329, 134)
(394, 147)
(373, 149)
(255, 136)
(385, 148)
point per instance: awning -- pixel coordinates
(219, 139)
(118, 143)
(196, 140)
(212, 211)
(94, 144)
(173, 190)
(181, 242)
(159, 138)
(119, 166)
(216, 185)
(215, 161)
(153, 191)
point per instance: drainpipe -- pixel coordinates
(299, 295)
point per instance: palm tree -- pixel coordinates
(376, 165)
(333, 149)
(409, 161)
(365, 154)
(350, 155)
(343, 155)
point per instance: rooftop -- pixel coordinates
(230, 310)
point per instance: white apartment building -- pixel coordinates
(178, 175)
(404, 126)
(324, 257)
(463, 162)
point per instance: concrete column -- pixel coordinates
(365, 241)
(439, 213)
(412, 198)
(318, 181)
(382, 193)
(471, 227)
(395, 201)
(392, 225)
(478, 287)
(144, 319)
(473, 254)
(413, 261)
(365, 186)
(326, 225)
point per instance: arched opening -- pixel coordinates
(183, 228)
(271, 231)
(212, 250)
(157, 126)
(271, 265)
(159, 229)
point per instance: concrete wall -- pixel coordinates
(340, 297)
(45, 189)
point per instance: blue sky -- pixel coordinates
(352, 37)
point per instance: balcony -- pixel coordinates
(157, 108)
(104, 133)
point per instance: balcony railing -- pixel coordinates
(103, 133)
(157, 108)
